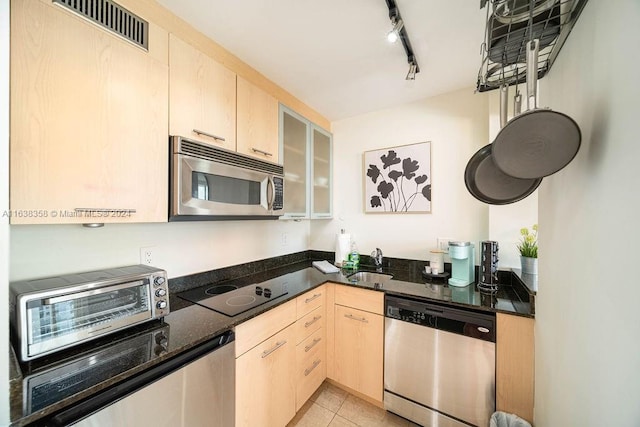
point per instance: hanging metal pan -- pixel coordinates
(489, 184)
(539, 142)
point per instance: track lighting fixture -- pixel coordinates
(394, 34)
(399, 31)
(411, 75)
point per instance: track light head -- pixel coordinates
(394, 34)
(411, 75)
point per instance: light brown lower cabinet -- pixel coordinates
(355, 340)
(515, 357)
(311, 349)
(265, 368)
(358, 352)
(265, 382)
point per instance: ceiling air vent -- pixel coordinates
(112, 17)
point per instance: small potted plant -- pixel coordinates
(528, 248)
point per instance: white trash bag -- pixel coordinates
(502, 419)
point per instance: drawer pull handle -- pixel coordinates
(313, 344)
(210, 135)
(308, 300)
(312, 321)
(314, 366)
(264, 153)
(277, 346)
(359, 319)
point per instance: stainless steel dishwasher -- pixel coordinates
(439, 366)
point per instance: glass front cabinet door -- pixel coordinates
(307, 159)
(321, 171)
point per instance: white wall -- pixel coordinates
(587, 327)
(505, 221)
(180, 248)
(4, 206)
(457, 126)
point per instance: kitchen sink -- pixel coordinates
(369, 277)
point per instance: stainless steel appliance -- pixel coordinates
(210, 183)
(54, 313)
(439, 366)
(47, 386)
(207, 393)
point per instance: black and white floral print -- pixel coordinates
(397, 183)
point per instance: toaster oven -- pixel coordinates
(54, 313)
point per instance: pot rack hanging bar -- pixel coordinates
(508, 30)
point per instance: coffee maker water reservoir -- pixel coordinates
(462, 263)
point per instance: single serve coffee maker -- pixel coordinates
(463, 271)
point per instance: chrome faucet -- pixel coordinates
(377, 259)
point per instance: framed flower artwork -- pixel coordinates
(398, 179)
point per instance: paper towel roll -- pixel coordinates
(343, 246)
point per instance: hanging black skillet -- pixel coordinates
(539, 142)
(489, 184)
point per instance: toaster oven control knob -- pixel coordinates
(161, 304)
(158, 281)
(160, 292)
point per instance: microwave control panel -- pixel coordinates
(278, 199)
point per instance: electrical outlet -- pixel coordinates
(146, 255)
(285, 239)
(442, 243)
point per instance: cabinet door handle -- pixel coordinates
(313, 344)
(264, 153)
(277, 346)
(210, 135)
(312, 321)
(308, 300)
(359, 319)
(314, 366)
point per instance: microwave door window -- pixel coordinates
(225, 189)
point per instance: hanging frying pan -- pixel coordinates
(489, 184)
(539, 142)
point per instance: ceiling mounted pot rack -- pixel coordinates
(508, 29)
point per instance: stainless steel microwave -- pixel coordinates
(210, 183)
(54, 313)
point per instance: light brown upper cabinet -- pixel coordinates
(257, 122)
(89, 117)
(202, 96)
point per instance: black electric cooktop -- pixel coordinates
(231, 300)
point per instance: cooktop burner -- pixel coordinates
(220, 289)
(245, 298)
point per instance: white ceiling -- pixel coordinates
(333, 54)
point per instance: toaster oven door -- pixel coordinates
(56, 321)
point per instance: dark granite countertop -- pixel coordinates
(189, 324)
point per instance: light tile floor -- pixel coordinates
(331, 406)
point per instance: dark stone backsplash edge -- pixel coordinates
(390, 264)
(184, 283)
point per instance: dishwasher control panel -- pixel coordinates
(417, 317)
(458, 321)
